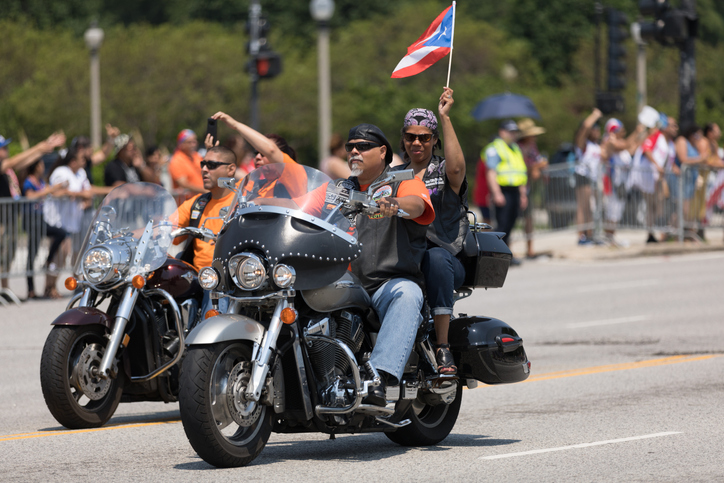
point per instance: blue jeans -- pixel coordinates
(206, 304)
(398, 303)
(443, 274)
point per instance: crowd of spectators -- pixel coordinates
(636, 172)
(52, 186)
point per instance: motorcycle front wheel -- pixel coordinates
(223, 429)
(428, 424)
(75, 395)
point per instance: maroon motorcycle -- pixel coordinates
(122, 336)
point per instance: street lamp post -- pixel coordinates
(93, 40)
(322, 11)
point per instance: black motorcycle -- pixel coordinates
(292, 353)
(124, 339)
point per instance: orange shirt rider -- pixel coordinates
(203, 250)
(184, 166)
(291, 176)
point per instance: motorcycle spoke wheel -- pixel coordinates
(223, 428)
(428, 424)
(76, 397)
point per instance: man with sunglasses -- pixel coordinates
(219, 162)
(392, 251)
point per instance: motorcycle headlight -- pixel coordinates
(208, 278)
(98, 265)
(283, 275)
(248, 271)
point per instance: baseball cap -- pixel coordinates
(4, 142)
(370, 132)
(613, 125)
(509, 125)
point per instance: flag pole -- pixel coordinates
(452, 40)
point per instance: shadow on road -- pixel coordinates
(154, 417)
(352, 448)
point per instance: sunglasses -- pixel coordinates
(410, 138)
(212, 165)
(360, 147)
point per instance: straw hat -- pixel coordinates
(528, 128)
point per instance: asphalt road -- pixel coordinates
(627, 385)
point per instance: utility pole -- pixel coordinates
(687, 68)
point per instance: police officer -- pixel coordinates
(507, 177)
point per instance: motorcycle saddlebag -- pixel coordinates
(488, 265)
(488, 350)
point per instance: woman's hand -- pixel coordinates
(446, 102)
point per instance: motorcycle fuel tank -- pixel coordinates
(345, 293)
(177, 278)
(488, 350)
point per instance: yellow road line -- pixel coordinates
(619, 367)
(42, 434)
(540, 377)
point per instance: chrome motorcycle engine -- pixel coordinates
(331, 365)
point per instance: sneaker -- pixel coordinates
(584, 240)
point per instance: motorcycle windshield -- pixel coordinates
(301, 189)
(133, 225)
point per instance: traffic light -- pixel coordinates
(671, 26)
(264, 62)
(268, 64)
(617, 34)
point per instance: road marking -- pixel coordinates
(577, 446)
(42, 434)
(539, 377)
(622, 320)
(620, 367)
(603, 287)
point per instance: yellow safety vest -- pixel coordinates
(511, 170)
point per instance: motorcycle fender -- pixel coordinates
(226, 327)
(83, 316)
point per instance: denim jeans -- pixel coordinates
(443, 274)
(206, 304)
(398, 303)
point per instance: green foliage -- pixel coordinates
(168, 73)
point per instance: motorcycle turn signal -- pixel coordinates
(71, 283)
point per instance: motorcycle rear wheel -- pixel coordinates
(207, 373)
(428, 424)
(65, 378)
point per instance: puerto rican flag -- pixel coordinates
(432, 46)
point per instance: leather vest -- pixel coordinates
(392, 247)
(451, 223)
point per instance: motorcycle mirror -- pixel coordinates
(402, 175)
(224, 211)
(229, 183)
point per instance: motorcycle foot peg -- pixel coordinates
(373, 372)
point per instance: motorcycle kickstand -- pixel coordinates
(399, 425)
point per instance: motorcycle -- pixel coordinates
(292, 352)
(135, 304)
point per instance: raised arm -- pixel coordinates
(258, 141)
(454, 158)
(30, 155)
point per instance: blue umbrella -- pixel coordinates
(500, 106)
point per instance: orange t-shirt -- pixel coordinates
(203, 250)
(181, 166)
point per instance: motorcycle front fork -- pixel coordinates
(125, 308)
(260, 363)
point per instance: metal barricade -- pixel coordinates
(26, 239)
(677, 205)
